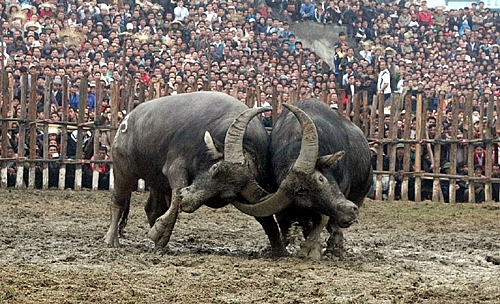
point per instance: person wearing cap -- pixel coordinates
(285, 32)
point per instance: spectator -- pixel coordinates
(384, 81)
(307, 10)
(103, 168)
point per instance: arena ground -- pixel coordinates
(52, 251)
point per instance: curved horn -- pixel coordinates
(233, 144)
(270, 205)
(306, 162)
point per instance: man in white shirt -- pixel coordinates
(384, 81)
(180, 11)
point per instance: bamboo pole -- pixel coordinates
(406, 157)
(365, 126)
(393, 130)
(32, 131)
(454, 147)
(355, 100)
(418, 151)
(373, 116)
(97, 135)
(436, 186)
(4, 90)
(340, 103)
(470, 149)
(46, 111)
(64, 132)
(82, 104)
(489, 147)
(380, 147)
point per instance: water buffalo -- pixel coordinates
(174, 141)
(342, 167)
(307, 183)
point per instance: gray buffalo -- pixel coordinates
(342, 168)
(307, 183)
(174, 141)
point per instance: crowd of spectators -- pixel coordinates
(236, 45)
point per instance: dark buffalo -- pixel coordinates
(308, 182)
(175, 141)
(342, 169)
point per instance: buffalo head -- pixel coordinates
(226, 178)
(305, 185)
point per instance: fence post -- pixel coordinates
(46, 111)
(64, 133)
(82, 104)
(437, 195)
(421, 128)
(380, 147)
(4, 98)
(407, 135)
(454, 146)
(391, 150)
(32, 130)
(470, 150)
(489, 147)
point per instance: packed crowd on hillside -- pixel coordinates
(201, 44)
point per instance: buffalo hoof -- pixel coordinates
(160, 250)
(311, 250)
(156, 232)
(337, 253)
(112, 240)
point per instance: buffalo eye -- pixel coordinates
(214, 168)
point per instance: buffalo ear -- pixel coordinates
(215, 148)
(329, 160)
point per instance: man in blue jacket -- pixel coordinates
(307, 10)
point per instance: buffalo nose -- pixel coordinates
(355, 209)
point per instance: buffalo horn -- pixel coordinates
(233, 145)
(270, 205)
(306, 162)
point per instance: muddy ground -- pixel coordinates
(51, 251)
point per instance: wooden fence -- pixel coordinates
(125, 95)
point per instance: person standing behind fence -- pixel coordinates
(103, 168)
(495, 187)
(384, 81)
(479, 156)
(478, 185)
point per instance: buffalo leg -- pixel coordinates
(156, 206)
(164, 225)
(121, 197)
(335, 243)
(311, 248)
(162, 229)
(273, 233)
(124, 218)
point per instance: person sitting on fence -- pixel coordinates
(103, 168)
